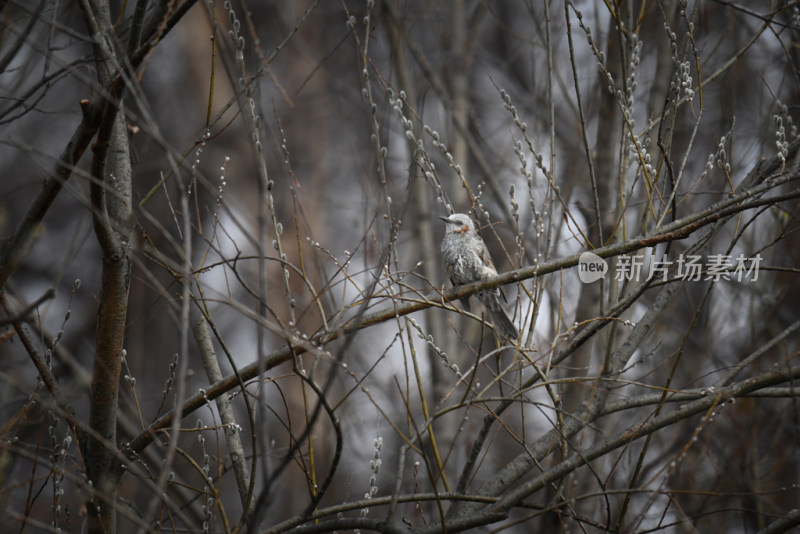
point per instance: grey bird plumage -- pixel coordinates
(467, 260)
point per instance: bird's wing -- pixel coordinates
(483, 254)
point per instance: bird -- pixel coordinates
(467, 260)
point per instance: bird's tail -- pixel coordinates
(502, 323)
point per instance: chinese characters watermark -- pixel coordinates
(689, 267)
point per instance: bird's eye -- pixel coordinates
(464, 228)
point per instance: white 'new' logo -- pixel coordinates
(591, 267)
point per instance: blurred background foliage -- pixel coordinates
(315, 145)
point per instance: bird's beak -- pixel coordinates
(445, 219)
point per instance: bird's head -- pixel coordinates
(458, 223)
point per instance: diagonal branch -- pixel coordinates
(678, 230)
